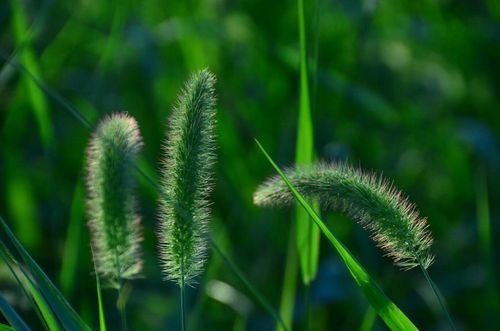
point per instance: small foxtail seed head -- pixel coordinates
(113, 221)
(393, 221)
(186, 180)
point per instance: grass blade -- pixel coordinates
(260, 298)
(27, 58)
(102, 318)
(368, 320)
(4, 327)
(287, 302)
(72, 246)
(491, 297)
(386, 309)
(61, 308)
(12, 317)
(308, 235)
(24, 280)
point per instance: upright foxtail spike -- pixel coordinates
(114, 224)
(186, 181)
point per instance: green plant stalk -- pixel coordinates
(491, 296)
(394, 318)
(368, 319)
(255, 292)
(183, 313)
(123, 317)
(102, 318)
(73, 243)
(436, 293)
(100, 307)
(289, 282)
(121, 304)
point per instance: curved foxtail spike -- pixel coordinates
(186, 181)
(114, 224)
(394, 222)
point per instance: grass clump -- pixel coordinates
(114, 223)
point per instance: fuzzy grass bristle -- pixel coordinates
(114, 224)
(393, 221)
(186, 180)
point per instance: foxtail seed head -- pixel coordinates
(113, 221)
(186, 180)
(393, 221)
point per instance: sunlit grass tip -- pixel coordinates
(114, 223)
(394, 222)
(186, 181)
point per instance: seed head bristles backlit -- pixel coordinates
(186, 181)
(376, 204)
(114, 224)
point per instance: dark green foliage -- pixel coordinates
(113, 219)
(186, 181)
(377, 205)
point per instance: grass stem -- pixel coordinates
(121, 304)
(183, 315)
(436, 293)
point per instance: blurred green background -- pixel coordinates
(409, 89)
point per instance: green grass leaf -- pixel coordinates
(308, 236)
(368, 320)
(394, 318)
(485, 235)
(12, 317)
(289, 282)
(4, 327)
(45, 288)
(27, 57)
(260, 298)
(72, 247)
(40, 305)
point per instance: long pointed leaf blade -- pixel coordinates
(4, 327)
(255, 292)
(27, 284)
(12, 317)
(65, 313)
(393, 317)
(308, 236)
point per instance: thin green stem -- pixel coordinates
(264, 303)
(307, 304)
(183, 315)
(287, 302)
(123, 315)
(436, 293)
(121, 304)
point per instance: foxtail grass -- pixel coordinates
(186, 181)
(387, 310)
(114, 223)
(394, 222)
